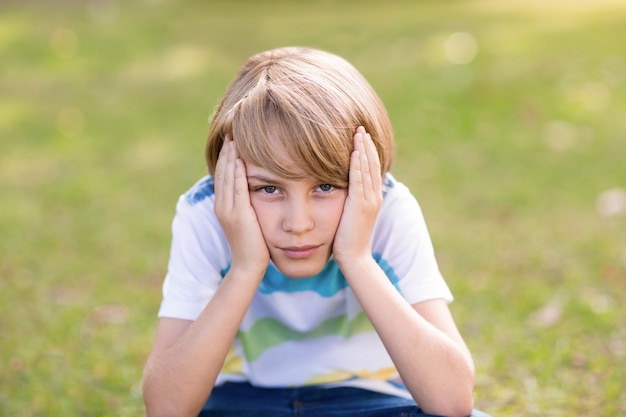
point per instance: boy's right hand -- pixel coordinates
(249, 252)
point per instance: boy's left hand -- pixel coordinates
(354, 234)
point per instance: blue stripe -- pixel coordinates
(388, 183)
(327, 283)
(201, 190)
(391, 274)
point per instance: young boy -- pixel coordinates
(302, 279)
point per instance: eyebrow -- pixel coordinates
(264, 179)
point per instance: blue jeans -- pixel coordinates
(244, 400)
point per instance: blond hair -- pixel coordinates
(306, 100)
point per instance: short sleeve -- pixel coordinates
(199, 255)
(403, 247)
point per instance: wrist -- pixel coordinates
(356, 266)
(247, 273)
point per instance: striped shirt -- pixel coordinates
(309, 330)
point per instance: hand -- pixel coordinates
(354, 234)
(236, 215)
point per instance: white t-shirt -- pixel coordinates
(308, 330)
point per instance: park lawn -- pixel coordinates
(510, 128)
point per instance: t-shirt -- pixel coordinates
(302, 331)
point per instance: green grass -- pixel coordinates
(103, 115)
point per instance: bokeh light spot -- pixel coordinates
(461, 48)
(611, 202)
(560, 135)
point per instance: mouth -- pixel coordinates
(300, 252)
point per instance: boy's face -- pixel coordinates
(298, 219)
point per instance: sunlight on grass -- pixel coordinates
(12, 29)
(570, 8)
(13, 112)
(183, 61)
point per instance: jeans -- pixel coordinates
(244, 400)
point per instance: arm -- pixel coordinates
(187, 356)
(422, 340)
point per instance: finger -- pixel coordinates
(355, 178)
(229, 174)
(366, 175)
(242, 195)
(355, 186)
(374, 164)
(224, 178)
(220, 167)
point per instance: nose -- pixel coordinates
(297, 216)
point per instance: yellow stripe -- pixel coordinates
(383, 374)
(233, 363)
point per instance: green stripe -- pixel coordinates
(269, 332)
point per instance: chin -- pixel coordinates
(299, 270)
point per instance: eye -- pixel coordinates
(325, 187)
(269, 189)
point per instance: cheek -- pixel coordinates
(263, 214)
(333, 211)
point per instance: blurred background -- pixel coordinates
(510, 128)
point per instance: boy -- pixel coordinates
(302, 279)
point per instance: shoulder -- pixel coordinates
(194, 210)
(400, 217)
(204, 188)
(198, 200)
(397, 197)
(402, 245)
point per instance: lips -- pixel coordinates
(300, 252)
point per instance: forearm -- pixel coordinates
(178, 380)
(438, 371)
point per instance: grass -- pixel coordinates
(103, 115)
